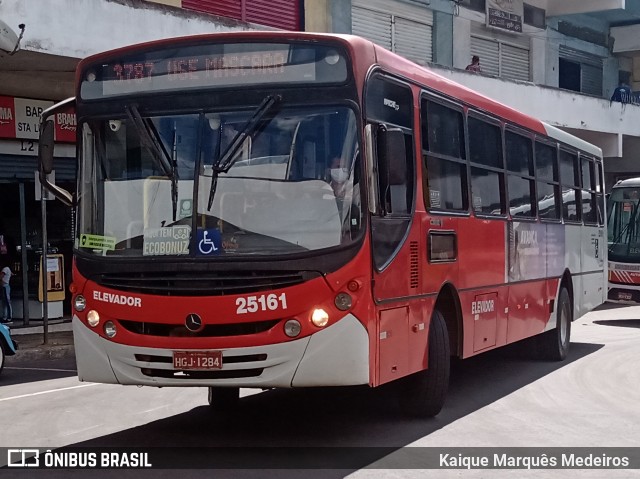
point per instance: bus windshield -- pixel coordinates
(624, 225)
(224, 183)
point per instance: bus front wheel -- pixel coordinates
(224, 399)
(423, 393)
(554, 345)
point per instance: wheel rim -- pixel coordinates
(564, 325)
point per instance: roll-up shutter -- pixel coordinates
(397, 26)
(514, 62)
(372, 25)
(590, 69)
(284, 14)
(16, 167)
(413, 40)
(489, 53)
(501, 57)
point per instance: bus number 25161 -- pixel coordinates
(252, 304)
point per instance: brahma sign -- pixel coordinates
(20, 119)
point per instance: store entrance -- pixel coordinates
(21, 229)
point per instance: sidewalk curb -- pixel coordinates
(42, 352)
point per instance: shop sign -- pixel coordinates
(30, 148)
(505, 15)
(20, 119)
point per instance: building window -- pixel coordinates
(534, 16)
(478, 5)
(502, 59)
(580, 71)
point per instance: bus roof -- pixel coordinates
(628, 183)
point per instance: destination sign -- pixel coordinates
(213, 65)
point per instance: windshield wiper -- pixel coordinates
(150, 140)
(228, 157)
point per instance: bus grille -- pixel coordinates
(203, 283)
(200, 374)
(210, 330)
(189, 374)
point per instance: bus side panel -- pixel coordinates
(481, 251)
(528, 309)
(573, 263)
(435, 272)
(536, 252)
(396, 294)
(592, 268)
(393, 344)
(483, 256)
(481, 310)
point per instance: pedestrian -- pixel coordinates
(622, 93)
(5, 276)
(474, 66)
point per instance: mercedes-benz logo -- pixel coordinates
(193, 322)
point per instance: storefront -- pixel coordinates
(20, 205)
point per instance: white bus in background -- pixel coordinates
(623, 233)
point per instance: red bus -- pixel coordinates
(623, 234)
(285, 209)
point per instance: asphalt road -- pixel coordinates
(498, 399)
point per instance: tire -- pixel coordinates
(224, 399)
(422, 394)
(554, 345)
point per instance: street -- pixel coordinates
(498, 399)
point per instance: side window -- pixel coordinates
(570, 180)
(588, 193)
(487, 170)
(443, 153)
(520, 171)
(548, 184)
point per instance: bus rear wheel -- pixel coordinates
(554, 345)
(422, 394)
(224, 399)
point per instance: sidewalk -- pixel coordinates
(30, 340)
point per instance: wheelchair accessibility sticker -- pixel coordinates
(209, 242)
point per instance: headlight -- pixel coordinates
(292, 328)
(110, 329)
(79, 303)
(319, 317)
(93, 318)
(343, 301)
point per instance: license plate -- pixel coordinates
(197, 359)
(624, 296)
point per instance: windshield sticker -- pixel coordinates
(186, 208)
(98, 242)
(209, 242)
(230, 244)
(173, 240)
